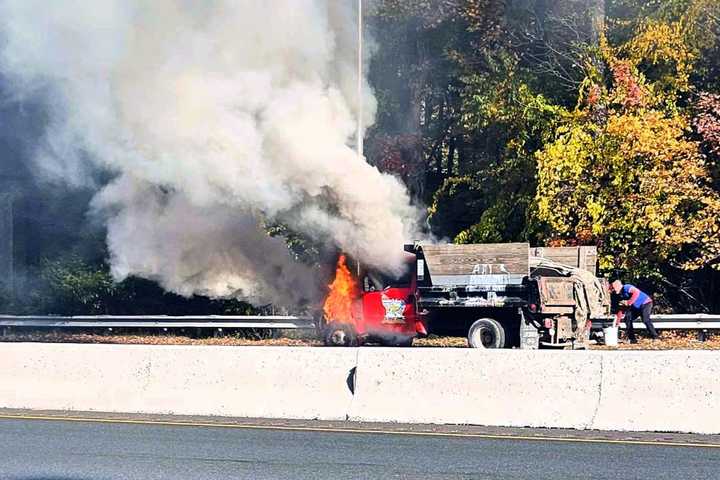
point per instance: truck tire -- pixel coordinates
(337, 334)
(486, 333)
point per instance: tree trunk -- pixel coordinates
(596, 9)
(451, 157)
(414, 116)
(462, 166)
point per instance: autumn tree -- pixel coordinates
(635, 183)
(706, 123)
(576, 121)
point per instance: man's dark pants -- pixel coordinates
(633, 313)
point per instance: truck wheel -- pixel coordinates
(486, 333)
(337, 334)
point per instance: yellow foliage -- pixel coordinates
(638, 185)
(664, 48)
(623, 172)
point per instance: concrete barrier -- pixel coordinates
(674, 391)
(635, 391)
(483, 387)
(272, 382)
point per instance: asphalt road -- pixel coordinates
(63, 450)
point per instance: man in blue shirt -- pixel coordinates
(637, 304)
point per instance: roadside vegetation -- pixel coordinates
(576, 122)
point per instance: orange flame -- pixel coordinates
(343, 290)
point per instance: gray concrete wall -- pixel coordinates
(515, 388)
(677, 391)
(268, 382)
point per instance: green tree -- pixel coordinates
(76, 287)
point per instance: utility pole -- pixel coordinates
(360, 132)
(7, 271)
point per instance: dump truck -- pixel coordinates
(498, 295)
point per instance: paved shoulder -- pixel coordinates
(172, 448)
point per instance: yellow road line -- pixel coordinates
(487, 436)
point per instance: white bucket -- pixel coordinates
(611, 336)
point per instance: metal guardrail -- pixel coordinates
(159, 321)
(697, 321)
(700, 321)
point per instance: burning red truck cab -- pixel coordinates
(380, 309)
(499, 295)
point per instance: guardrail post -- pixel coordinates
(703, 335)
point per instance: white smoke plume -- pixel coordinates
(211, 117)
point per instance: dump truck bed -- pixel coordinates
(478, 265)
(480, 275)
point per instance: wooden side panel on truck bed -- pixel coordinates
(578, 257)
(479, 264)
(556, 295)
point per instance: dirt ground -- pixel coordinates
(669, 340)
